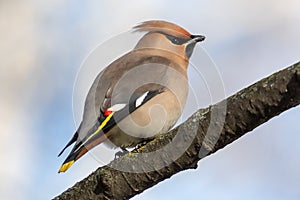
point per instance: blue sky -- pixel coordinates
(44, 43)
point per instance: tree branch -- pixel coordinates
(205, 132)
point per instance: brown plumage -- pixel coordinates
(139, 95)
(163, 26)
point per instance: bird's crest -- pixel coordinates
(162, 26)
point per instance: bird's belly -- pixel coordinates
(129, 134)
(153, 118)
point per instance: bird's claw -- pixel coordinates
(121, 153)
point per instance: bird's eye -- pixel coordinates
(176, 40)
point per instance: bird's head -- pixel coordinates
(167, 36)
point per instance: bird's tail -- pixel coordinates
(79, 150)
(95, 136)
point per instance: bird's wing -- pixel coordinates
(115, 93)
(107, 120)
(120, 81)
(74, 139)
(113, 114)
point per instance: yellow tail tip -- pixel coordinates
(66, 166)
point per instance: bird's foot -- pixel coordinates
(121, 153)
(141, 145)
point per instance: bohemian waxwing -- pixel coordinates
(139, 95)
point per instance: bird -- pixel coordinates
(139, 95)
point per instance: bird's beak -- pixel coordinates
(197, 38)
(191, 44)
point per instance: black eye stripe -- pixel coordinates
(176, 40)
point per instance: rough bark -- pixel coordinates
(205, 132)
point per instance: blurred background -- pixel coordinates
(44, 43)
